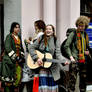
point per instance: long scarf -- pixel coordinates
(18, 67)
(82, 42)
(17, 44)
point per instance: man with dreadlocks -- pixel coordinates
(78, 53)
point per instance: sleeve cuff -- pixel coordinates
(11, 53)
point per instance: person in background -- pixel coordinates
(47, 43)
(27, 79)
(39, 30)
(13, 59)
(78, 53)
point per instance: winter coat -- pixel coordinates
(54, 48)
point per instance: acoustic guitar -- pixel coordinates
(33, 65)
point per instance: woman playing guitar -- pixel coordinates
(47, 76)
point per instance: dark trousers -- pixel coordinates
(83, 77)
(81, 68)
(29, 86)
(11, 89)
(62, 82)
(72, 77)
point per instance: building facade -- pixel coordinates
(60, 13)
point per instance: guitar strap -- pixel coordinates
(55, 48)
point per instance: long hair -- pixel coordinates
(52, 29)
(13, 25)
(45, 38)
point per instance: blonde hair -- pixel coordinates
(83, 20)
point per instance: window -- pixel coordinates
(86, 8)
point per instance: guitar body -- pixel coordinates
(33, 65)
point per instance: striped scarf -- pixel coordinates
(17, 44)
(82, 42)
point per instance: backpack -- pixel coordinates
(62, 45)
(62, 49)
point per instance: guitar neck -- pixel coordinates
(57, 61)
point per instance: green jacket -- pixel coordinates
(70, 46)
(8, 65)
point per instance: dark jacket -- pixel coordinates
(8, 65)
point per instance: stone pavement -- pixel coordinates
(88, 88)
